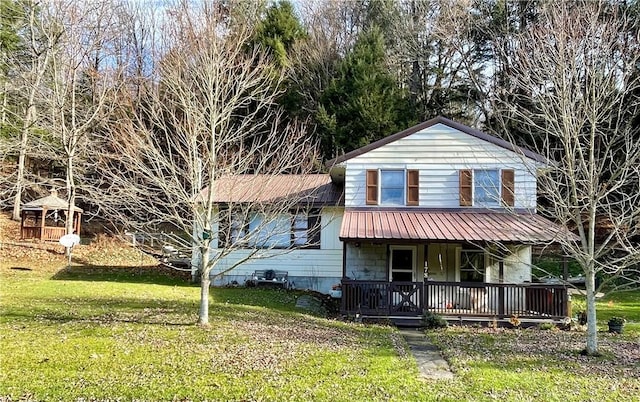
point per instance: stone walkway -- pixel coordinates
(431, 365)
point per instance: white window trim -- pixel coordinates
(404, 187)
(473, 189)
(414, 255)
(459, 251)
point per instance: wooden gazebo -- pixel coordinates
(44, 219)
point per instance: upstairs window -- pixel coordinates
(488, 187)
(388, 187)
(392, 187)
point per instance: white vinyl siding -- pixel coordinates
(325, 262)
(439, 152)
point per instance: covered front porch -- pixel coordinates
(454, 300)
(463, 266)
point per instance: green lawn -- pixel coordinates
(121, 334)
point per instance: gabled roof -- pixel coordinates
(438, 120)
(317, 189)
(52, 201)
(448, 225)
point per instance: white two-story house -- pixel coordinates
(439, 217)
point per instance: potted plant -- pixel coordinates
(616, 324)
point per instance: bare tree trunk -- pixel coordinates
(592, 329)
(39, 66)
(4, 103)
(17, 200)
(188, 136)
(582, 97)
(205, 282)
(26, 126)
(71, 197)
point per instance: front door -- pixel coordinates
(405, 297)
(402, 263)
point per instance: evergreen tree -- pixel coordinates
(12, 19)
(364, 102)
(278, 31)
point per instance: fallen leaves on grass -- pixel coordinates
(537, 350)
(298, 331)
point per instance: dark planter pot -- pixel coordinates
(616, 328)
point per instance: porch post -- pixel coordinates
(78, 220)
(44, 214)
(22, 214)
(344, 259)
(501, 288)
(565, 267)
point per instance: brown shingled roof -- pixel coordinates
(309, 188)
(464, 226)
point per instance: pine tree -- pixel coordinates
(278, 31)
(364, 102)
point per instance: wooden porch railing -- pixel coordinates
(471, 299)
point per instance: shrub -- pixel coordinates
(545, 326)
(433, 321)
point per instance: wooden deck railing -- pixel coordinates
(500, 300)
(48, 233)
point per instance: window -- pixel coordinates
(238, 230)
(282, 231)
(300, 230)
(472, 267)
(306, 230)
(392, 187)
(402, 263)
(231, 227)
(486, 187)
(271, 232)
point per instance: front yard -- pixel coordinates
(123, 334)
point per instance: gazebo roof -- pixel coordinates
(52, 201)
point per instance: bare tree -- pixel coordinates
(209, 119)
(29, 67)
(579, 63)
(82, 76)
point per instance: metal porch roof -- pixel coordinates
(465, 226)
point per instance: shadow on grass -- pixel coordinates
(280, 300)
(158, 275)
(105, 310)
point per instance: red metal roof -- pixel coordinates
(469, 226)
(306, 188)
